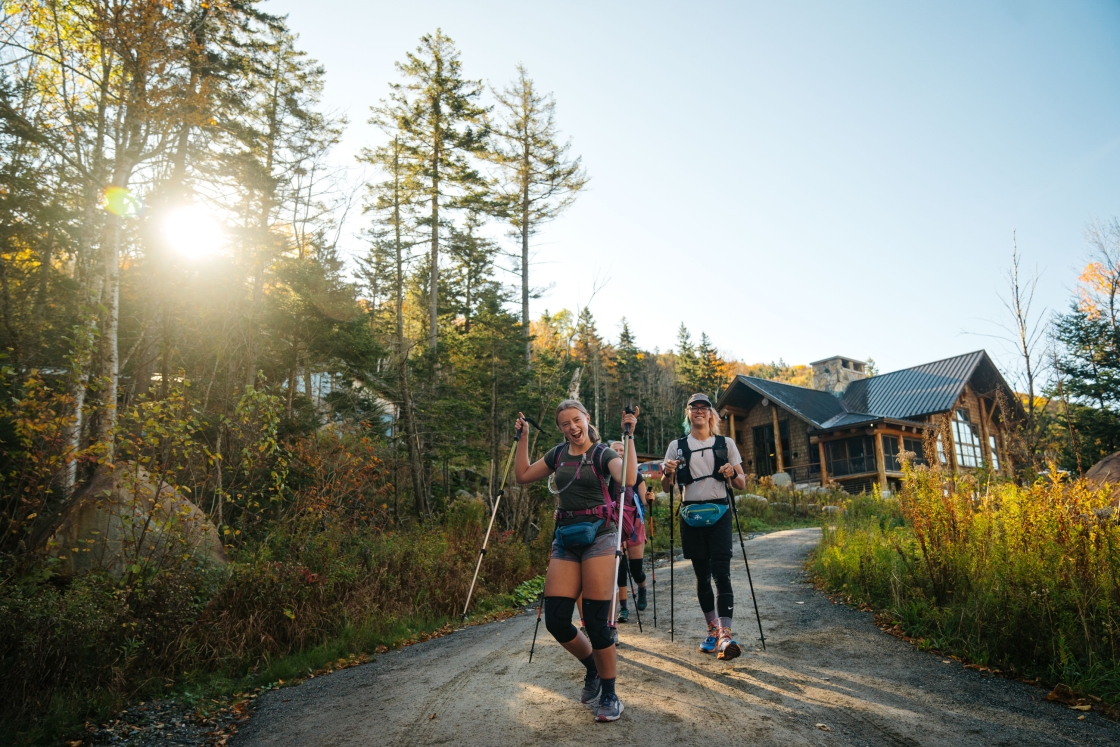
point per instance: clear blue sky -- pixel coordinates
(796, 179)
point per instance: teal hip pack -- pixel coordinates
(576, 536)
(702, 514)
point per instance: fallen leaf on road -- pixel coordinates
(822, 727)
(431, 717)
(1082, 707)
(800, 603)
(1081, 717)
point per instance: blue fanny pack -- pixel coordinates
(702, 514)
(576, 536)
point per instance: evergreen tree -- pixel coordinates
(442, 129)
(538, 179)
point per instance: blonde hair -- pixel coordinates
(575, 404)
(714, 421)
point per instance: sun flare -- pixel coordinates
(193, 232)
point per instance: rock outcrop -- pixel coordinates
(123, 518)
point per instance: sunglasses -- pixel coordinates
(699, 406)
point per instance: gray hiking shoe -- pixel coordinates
(609, 708)
(591, 688)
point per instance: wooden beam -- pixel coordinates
(985, 448)
(824, 465)
(951, 446)
(880, 461)
(777, 437)
(731, 420)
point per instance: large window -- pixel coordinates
(967, 437)
(850, 456)
(890, 454)
(765, 455)
(915, 445)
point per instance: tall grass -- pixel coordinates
(76, 648)
(1023, 578)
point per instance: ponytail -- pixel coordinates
(575, 404)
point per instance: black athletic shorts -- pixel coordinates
(707, 543)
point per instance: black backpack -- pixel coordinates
(684, 454)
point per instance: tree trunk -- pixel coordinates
(110, 353)
(525, 280)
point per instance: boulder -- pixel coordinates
(124, 518)
(756, 499)
(830, 509)
(780, 479)
(1107, 472)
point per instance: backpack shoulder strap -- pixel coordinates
(555, 453)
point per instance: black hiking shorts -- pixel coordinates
(707, 543)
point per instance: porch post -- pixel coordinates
(824, 465)
(880, 460)
(777, 436)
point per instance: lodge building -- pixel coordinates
(849, 428)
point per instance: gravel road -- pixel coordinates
(828, 677)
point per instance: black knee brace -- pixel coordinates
(703, 570)
(595, 615)
(622, 575)
(558, 617)
(721, 572)
(636, 571)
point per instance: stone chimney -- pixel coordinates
(834, 374)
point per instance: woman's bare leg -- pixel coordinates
(565, 579)
(599, 582)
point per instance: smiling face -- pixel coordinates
(573, 424)
(698, 414)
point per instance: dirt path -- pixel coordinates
(825, 664)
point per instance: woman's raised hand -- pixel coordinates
(629, 419)
(520, 425)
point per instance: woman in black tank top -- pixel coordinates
(583, 551)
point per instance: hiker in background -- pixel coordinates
(634, 540)
(583, 547)
(701, 463)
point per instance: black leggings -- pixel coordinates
(635, 568)
(705, 570)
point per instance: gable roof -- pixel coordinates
(913, 392)
(901, 395)
(811, 404)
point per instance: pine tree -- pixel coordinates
(442, 129)
(687, 365)
(538, 180)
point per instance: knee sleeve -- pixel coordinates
(703, 571)
(622, 575)
(595, 615)
(636, 571)
(558, 618)
(721, 572)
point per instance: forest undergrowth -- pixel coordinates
(1023, 579)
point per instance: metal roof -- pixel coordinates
(900, 396)
(912, 392)
(811, 404)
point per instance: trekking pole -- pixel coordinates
(634, 596)
(618, 543)
(493, 515)
(540, 608)
(743, 547)
(672, 580)
(653, 560)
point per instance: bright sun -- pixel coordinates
(193, 232)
